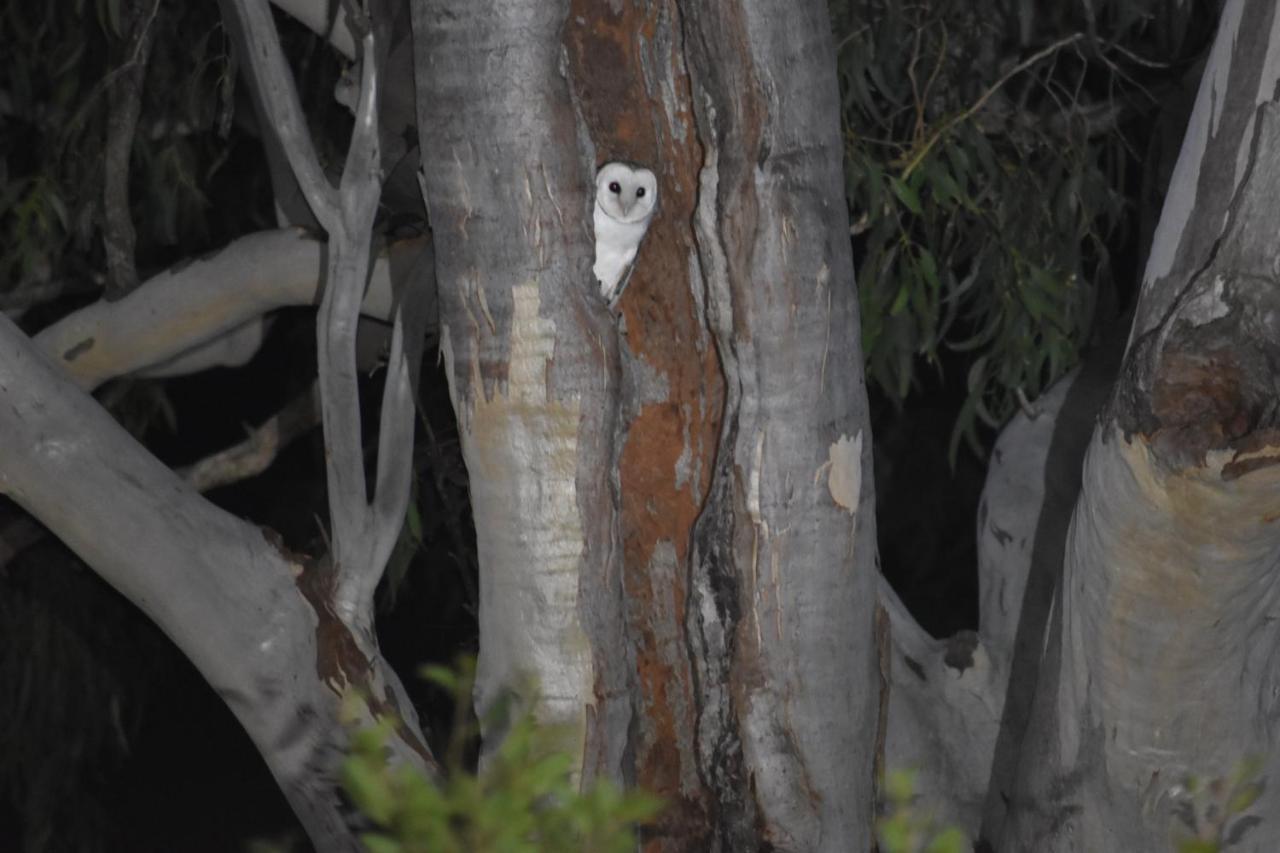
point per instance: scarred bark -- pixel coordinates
(532, 361)
(783, 575)
(726, 662)
(1158, 664)
(671, 391)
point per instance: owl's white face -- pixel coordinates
(626, 193)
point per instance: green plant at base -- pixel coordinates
(524, 799)
(1213, 810)
(906, 828)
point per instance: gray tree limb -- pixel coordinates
(323, 19)
(362, 532)
(213, 583)
(124, 95)
(208, 311)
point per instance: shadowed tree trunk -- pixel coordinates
(1158, 663)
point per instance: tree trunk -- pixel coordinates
(1158, 661)
(671, 498)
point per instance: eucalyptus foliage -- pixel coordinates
(986, 173)
(59, 60)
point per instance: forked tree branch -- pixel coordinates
(360, 529)
(274, 82)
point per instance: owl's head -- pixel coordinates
(626, 193)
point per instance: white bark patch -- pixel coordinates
(844, 472)
(521, 450)
(1206, 307)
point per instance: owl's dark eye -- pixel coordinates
(640, 193)
(615, 188)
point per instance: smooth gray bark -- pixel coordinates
(531, 360)
(784, 583)
(363, 529)
(283, 643)
(213, 583)
(777, 614)
(1159, 654)
(211, 311)
(761, 691)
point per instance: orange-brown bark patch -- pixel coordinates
(627, 73)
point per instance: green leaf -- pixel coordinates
(950, 840)
(113, 18)
(442, 676)
(376, 843)
(1198, 845)
(909, 198)
(929, 268)
(1243, 798)
(369, 788)
(900, 301)
(900, 785)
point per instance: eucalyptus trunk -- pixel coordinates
(672, 496)
(1158, 654)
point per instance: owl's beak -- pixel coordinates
(626, 207)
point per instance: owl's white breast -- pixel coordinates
(616, 244)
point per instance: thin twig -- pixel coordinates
(255, 454)
(950, 123)
(124, 98)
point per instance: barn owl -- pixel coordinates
(626, 197)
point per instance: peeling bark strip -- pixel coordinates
(532, 358)
(631, 91)
(782, 592)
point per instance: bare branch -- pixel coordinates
(255, 454)
(210, 581)
(233, 349)
(395, 436)
(274, 83)
(920, 151)
(347, 216)
(351, 517)
(174, 313)
(314, 15)
(124, 95)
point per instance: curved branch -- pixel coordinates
(224, 595)
(124, 95)
(172, 315)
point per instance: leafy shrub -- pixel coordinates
(905, 827)
(1212, 811)
(525, 797)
